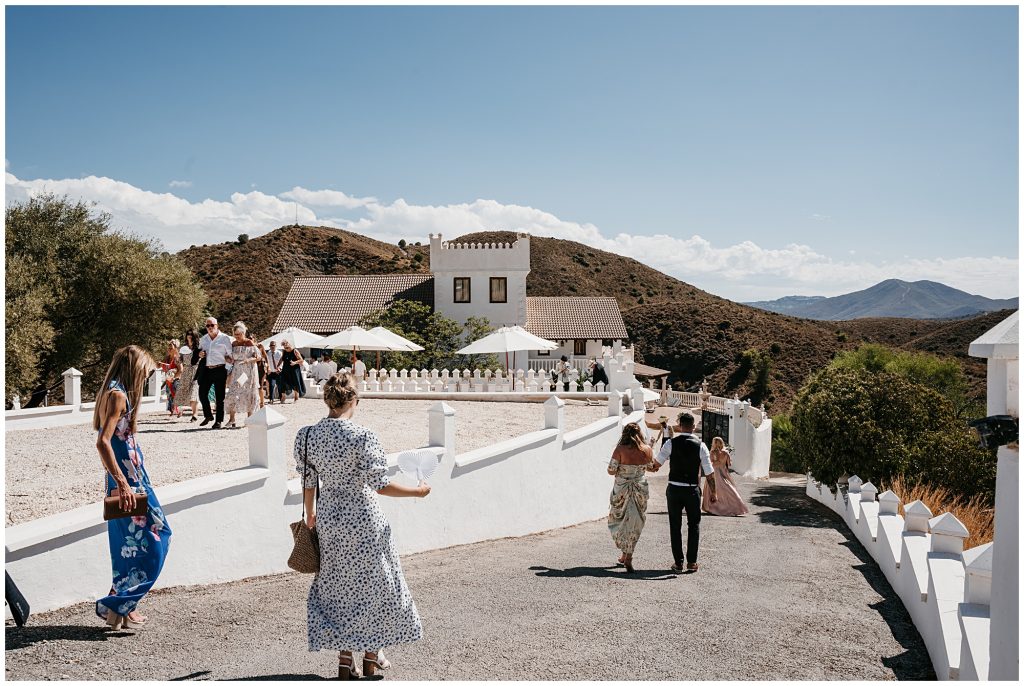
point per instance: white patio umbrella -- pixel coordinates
(357, 338)
(299, 338)
(508, 339)
(392, 337)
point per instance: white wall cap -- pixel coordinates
(443, 408)
(867, 492)
(947, 524)
(917, 509)
(888, 496)
(1001, 341)
(854, 483)
(978, 560)
(554, 401)
(266, 417)
(71, 372)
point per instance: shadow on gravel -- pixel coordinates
(790, 506)
(194, 676)
(283, 677)
(15, 638)
(605, 572)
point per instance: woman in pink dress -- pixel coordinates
(729, 502)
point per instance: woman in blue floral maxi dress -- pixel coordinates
(138, 545)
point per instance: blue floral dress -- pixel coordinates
(138, 545)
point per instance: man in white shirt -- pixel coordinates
(274, 372)
(689, 457)
(360, 368)
(215, 352)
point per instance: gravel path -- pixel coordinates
(55, 470)
(785, 593)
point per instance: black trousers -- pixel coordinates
(682, 498)
(216, 377)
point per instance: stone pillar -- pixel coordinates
(441, 422)
(853, 484)
(915, 517)
(948, 534)
(554, 413)
(868, 492)
(636, 399)
(978, 572)
(73, 388)
(614, 403)
(888, 503)
(266, 439)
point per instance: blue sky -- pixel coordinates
(753, 152)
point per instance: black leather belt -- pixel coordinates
(214, 366)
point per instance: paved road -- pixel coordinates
(785, 593)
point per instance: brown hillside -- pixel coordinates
(675, 326)
(249, 281)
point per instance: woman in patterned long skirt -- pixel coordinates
(243, 392)
(138, 545)
(359, 600)
(627, 513)
(188, 388)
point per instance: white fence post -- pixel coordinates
(73, 388)
(915, 517)
(948, 534)
(614, 403)
(266, 439)
(441, 423)
(888, 503)
(554, 413)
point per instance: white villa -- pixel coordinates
(466, 280)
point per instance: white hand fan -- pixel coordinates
(418, 464)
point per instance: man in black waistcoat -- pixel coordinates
(689, 457)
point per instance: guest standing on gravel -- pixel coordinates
(243, 393)
(274, 374)
(188, 388)
(292, 362)
(216, 353)
(138, 545)
(631, 460)
(689, 457)
(359, 600)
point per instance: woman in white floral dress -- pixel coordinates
(359, 600)
(243, 391)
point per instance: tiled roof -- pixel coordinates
(572, 318)
(647, 370)
(327, 304)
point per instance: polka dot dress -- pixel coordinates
(359, 600)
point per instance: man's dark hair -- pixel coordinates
(686, 420)
(564, 358)
(359, 356)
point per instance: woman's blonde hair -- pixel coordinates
(631, 436)
(131, 367)
(717, 443)
(174, 342)
(340, 390)
(239, 325)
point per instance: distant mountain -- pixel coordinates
(890, 298)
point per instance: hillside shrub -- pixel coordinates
(880, 426)
(785, 457)
(243, 238)
(77, 291)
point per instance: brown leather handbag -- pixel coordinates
(305, 555)
(112, 506)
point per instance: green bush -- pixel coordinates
(785, 458)
(880, 425)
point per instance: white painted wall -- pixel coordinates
(235, 524)
(480, 262)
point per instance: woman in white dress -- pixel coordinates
(243, 391)
(359, 600)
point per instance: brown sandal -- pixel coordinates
(372, 666)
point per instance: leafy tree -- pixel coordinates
(785, 458)
(439, 335)
(943, 375)
(81, 291)
(243, 238)
(402, 244)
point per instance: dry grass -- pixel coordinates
(975, 513)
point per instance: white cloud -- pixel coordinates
(821, 217)
(180, 184)
(326, 198)
(743, 271)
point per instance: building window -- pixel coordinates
(462, 289)
(499, 289)
(606, 342)
(543, 353)
(579, 346)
